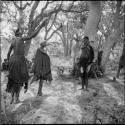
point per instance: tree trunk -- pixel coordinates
(66, 50)
(92, 23)
(70, 48)
(27, 47)
(113, 38)
(21, 20)
(124, 56)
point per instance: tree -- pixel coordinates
(66, 33)
(115, 32)
(92, 23)
(33, 23)
(72, 25)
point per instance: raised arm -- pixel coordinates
(9, 52)
(36, 32)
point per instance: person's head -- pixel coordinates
(43, 45)
(18, 33)
(92, 43)
(86, 40)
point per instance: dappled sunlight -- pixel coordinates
(111, 92)
(62, 25)
(62, 101)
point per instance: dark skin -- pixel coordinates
(84, 63)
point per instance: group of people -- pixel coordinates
(18, 71)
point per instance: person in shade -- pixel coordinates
(18, 73)
(85, 59)
(41, 67)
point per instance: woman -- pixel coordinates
(41, 67)
(18, 73)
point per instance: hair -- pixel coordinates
(17, 32)
(92, 41)
(86, 37)
(42, 45)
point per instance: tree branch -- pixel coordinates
(41, 13)
(56, 10)
(27, 4)
(34, 34)
(54, 32)
(60, 35)
(46, 31)
(20, 4)
(53, 22)
(32, 12)
(18, 8)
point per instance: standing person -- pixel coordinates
(86, 58)
(41, 67)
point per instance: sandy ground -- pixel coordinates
(63, 102)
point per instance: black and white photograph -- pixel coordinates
(62, 62)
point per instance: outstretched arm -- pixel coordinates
(36, 32)
(9, 52)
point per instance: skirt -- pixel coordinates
(42, 66)
(18, 72)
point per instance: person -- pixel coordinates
(41, 67)
(85, 59)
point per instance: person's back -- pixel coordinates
(41, 67)
(42, 62)
(18, 46)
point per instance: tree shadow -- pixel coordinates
(26, 106)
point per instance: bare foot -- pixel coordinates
(12, 100)
(39, 94)
(86, 90)
(81, 88)
(25, 90)
(17, 101)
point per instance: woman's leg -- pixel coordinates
(86, 80)
(40, 87)
(33, 79)
(25, 87)
(12, 96)
(82, 80)
(17, 92)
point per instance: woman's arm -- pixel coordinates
(35, 33)
(9, 52)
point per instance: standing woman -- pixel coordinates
(18, 72)
(41, 67)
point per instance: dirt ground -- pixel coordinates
(63, 102)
